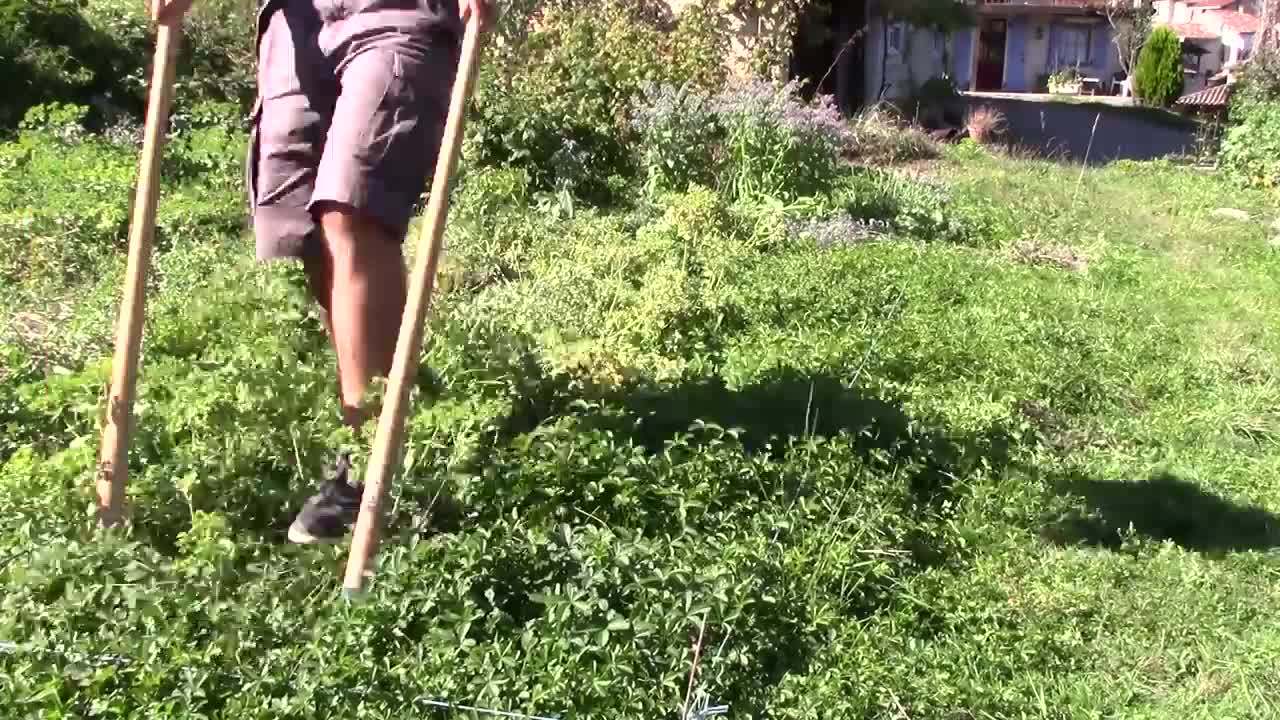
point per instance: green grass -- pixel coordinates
(1025, 471)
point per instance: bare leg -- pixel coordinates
(363, 269)
(319, 269)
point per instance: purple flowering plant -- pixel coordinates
(752, 139)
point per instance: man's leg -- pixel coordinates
(378, 154)
(297, 90)
(367, 290)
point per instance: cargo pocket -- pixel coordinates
(374, 112)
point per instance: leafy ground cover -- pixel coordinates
(944, 434)
(1025, 471)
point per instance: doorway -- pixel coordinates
(991, 43)
(827, 52)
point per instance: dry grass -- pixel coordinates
(1047, 254)
(985, 124)
(884, 137)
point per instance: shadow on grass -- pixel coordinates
(1164, 507)
(788, 405)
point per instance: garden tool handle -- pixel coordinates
(389, 440)
(113, 468)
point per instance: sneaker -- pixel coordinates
(329, 514)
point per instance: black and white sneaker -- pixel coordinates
(329, 514)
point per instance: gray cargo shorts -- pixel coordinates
(352, 101)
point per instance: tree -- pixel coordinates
(1267, 38)
(1159, 76)
(1130, 22)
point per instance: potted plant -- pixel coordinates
(1065, 82)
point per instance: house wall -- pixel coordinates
(918, 58)
(1039, 32)
(1237, 44)
(1030, 56)
(1015, 58)
(964, 43)
(1102, 60)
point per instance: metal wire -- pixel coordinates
(485, 711)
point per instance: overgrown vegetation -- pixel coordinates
(1251, 144)
(95, 53)
(921, 435)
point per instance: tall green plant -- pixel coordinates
(1251, 145)
(1159, 76)
(556, 102)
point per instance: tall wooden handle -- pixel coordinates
(113, 469)
(389, 440)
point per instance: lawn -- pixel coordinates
(977, 437)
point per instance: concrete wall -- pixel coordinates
(1039, 32)
(924, 55)
(1066, 130)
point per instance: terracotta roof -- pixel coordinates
(1216, 96)
(1239, 22)
(1193, 31)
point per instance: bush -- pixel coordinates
(1250, 149)
(98, 53)
(985, 124)
(680, 136)
(616, 297)
(1158, 80)
(881, 137)
(1251, 146)
(557, 105)
(777, 146)
(755, 139)
(51, 52)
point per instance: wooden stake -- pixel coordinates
(389, 439)
(113, 469)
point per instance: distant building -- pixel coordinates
(1217, 35)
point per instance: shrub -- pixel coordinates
(1250, 149)
(50, 53)
(679, 136)
(778, 146)
(557, 105)
(756, 139)
(880, 137)
(98, 53)
(614, 298)
(985, 124)
(1158, 79)
(1251, 146)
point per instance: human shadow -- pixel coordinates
(769, 416)
(1163, 507)
(786, 406)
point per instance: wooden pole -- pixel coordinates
(113, 469)
(389, 439)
